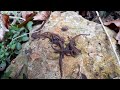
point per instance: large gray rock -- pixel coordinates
(96, 61)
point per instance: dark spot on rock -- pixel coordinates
(48, 21)
(25, 76)
(88, 54)
(101, 68)
(29, 51)
(35, 36)
(96, 74)
(99, 43)
(106, 38)
(64, 28)
(83, 76)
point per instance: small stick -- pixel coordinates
(108, 36)
(27, 20)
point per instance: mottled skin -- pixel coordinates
(73, 51)
(70, 48)
(57, 40)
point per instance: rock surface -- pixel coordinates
(96, 60)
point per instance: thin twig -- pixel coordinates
(108, 36)
(20, 36)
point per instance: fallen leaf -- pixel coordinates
(42, 16)
(26, 14)
(5, 19)
(115, 27)
(4, 23)
(116, 22)
(30, 18)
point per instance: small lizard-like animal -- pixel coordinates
(70, 48)
(57, 40)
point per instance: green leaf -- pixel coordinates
(13, 46)
(1, 50)
(18, 46)
(6, 53)
(1, 44)
(29, 25)
(15, 13)
(22, 28)
(14, 27)
(13, 31)
(26, 30)
(16, 34)
(25, 38)
(2, 55)
(10, 37)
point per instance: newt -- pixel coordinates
(59, 41)
(69, 50)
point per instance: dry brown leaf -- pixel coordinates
(42, 16)
(5, 19)
(26, 14)
(117, 24)
(4, 23)
(28, 18)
